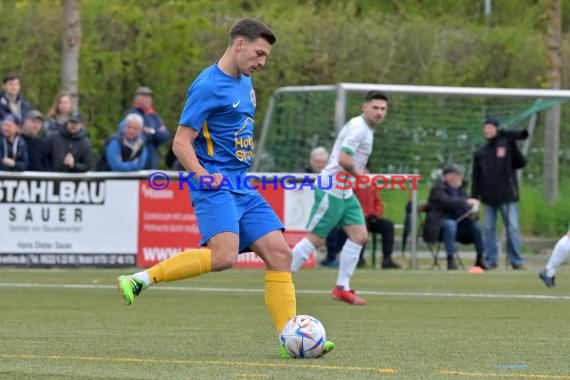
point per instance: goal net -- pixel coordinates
(426, 127)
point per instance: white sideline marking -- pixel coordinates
(312, 292)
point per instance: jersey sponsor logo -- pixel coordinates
(244, 141)
(252, 96)
(236, 104)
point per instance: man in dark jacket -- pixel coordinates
(13, 150)
(495, 183)
(154, 131)
(11, 101)
(451, 217)
(37, 145)
(70, 149)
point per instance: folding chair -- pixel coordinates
(435, 248)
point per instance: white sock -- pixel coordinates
(559, 254)
(301, 254)
(348, 260)
(144, 277)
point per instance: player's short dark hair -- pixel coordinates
(10, 76)
(376, 95)
(251, 28)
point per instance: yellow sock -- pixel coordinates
(187, 264)
(280, 297)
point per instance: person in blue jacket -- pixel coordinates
(154, 132)
(126, 151)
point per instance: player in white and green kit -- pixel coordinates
(337, 207)
(559, 254)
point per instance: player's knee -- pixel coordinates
(280, 260)
(359, 237)
(222, 261)
(363, 238)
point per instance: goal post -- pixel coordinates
(343, 88)
(426, 126)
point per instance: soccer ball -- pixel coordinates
(303, 337)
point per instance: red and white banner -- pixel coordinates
(91, 219)
(167, 224)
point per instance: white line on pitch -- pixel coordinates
(299, 291)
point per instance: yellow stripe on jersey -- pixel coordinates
(208, 139)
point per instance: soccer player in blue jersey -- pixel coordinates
(215, 140)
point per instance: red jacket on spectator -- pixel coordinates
(370, 201)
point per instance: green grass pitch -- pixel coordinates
(70, 324)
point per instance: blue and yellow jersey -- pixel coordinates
(221, 108)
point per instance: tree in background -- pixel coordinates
(70, 52)
(164, 44)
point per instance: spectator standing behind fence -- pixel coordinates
(11, 101)
(37, 145)
(70, 149)
(154, 131)
(13, 150)
(450, 217)
(495, 183)
(125, 152)
(58, 114)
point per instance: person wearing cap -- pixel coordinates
(494, 182)
(37, 145)
(125, 152)
(13, 150)
(58, 113)
(154, 132)
(11, 101)
(70, 149)
(446, 220)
